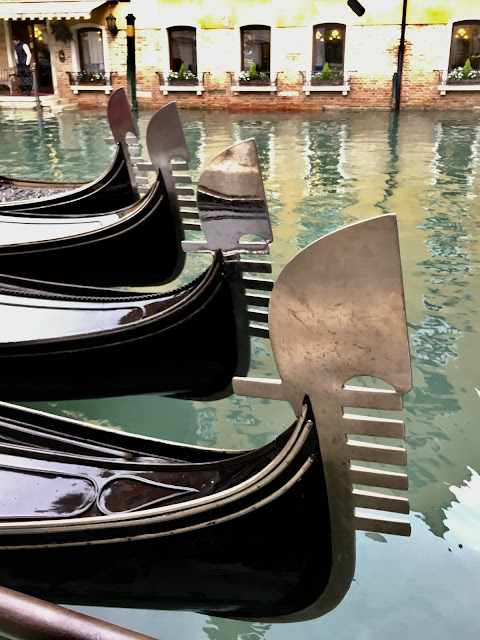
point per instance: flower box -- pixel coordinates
(323, 81)
(183, 82)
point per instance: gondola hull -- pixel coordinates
(110, 192)
(261, 553)
(184, 343)
(138, 246)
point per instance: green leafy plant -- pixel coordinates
(181, 75)
(326, 72)
(467, 67)
(87, 77)
(467, 72)
(253, 73)
(61, 31)
(182, 72)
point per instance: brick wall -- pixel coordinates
(370, 60)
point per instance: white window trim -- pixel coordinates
(308, 87)
(165, 43)
(443, 87)
(239, 88)
(107, 88)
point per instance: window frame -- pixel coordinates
(76, 64)
(256, 27)
(331, 26)
(169, 31)
(443, 87)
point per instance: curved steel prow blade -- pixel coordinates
(166, 141)
(121, 123)
(120, 117)
(231, 203)
(337, 312)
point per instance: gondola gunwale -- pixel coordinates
(195, 288)
(259, 481)
(154, 209)
(39, 207)
(123, 215)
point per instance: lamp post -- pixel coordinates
(131, 80)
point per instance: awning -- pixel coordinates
(47, 9)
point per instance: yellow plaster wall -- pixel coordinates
(221, 14)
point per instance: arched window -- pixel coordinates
(90, 50)
(182, 42)
(465, 44)
(328, 46)
(255, 41)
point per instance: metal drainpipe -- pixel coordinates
(401, 52)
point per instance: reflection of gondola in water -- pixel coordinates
(95, 516)
(65, 341)
(115, 189)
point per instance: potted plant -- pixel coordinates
(327, 76)
(182, 76)
(464, 75)
(88, 77)
(61, 31)
(252, 76)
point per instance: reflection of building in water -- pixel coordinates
(440, 434)
(263, 130)
(329, 188)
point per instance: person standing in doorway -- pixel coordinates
(23, 57)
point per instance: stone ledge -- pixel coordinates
(171, 88)
(243, 88)
(443, 88)
(308, 88)
(107, 88)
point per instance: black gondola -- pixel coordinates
(188, 342)
(139, 245)
(115, 189)
(90, 515)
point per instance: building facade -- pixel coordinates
(243, 54)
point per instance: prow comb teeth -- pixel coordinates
(358, 425)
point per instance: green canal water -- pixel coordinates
(321, 172)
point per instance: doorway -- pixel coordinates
(34, 34)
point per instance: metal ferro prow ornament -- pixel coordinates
(121, 123)
(165, 142)
(231, 203)
(337, 312)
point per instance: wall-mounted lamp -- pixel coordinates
(112, 24)
(356, 7)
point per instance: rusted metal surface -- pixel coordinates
(23, 617)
